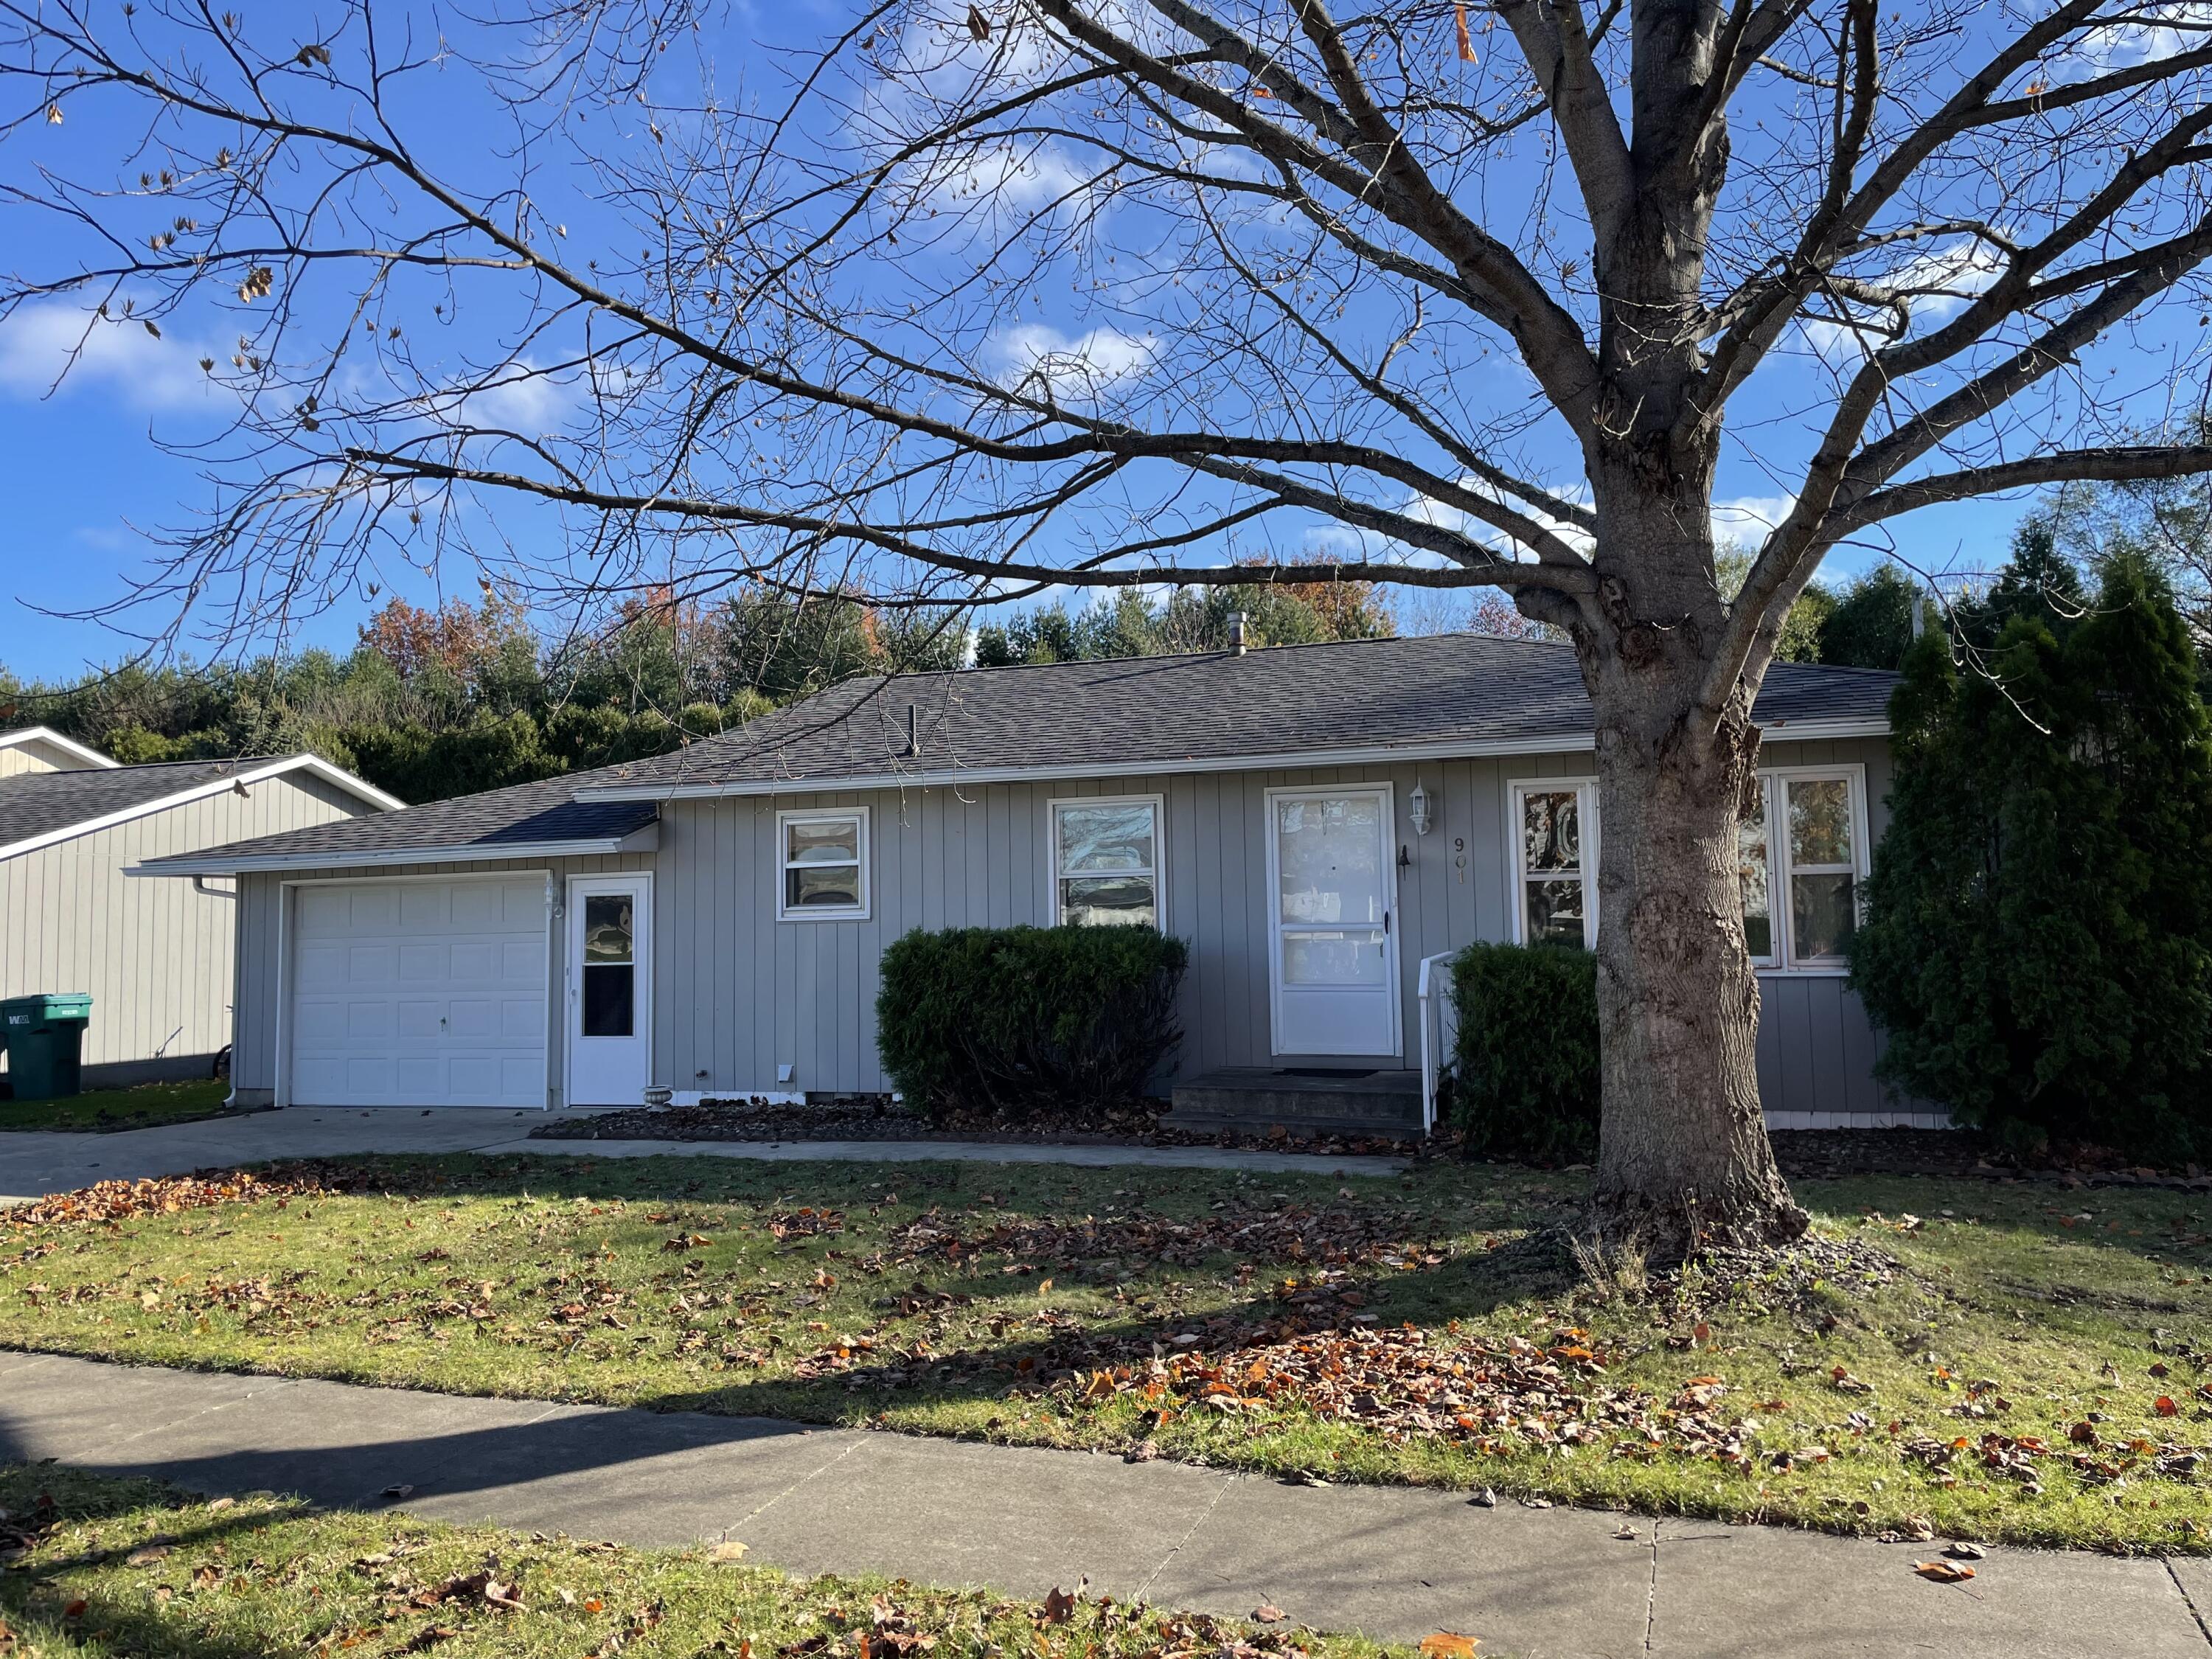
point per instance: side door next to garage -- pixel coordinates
(419, 992)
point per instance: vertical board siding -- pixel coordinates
(803, 994)
(157, 955)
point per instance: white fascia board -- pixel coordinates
(188, 864)
(47, 734)
(320, 768)
(1379, 755)
(345, 780)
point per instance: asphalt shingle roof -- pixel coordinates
(33, 803)
(523, 815)
(1359, 695)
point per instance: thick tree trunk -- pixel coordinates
(1683, 1156)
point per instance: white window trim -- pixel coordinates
(1159, 806)
(858, 815)
(1775, 780)
(1516, 839)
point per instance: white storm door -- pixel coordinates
(1332, 888)
(610, 989)
(418, 994)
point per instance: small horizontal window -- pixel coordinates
(825, 869)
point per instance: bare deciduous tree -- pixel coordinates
(972, 299)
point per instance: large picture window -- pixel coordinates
(1555, 862)
(1800, 859)
(823, 873)
(1106, 859)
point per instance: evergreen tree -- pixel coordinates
(1870, 624)
(2039, 937)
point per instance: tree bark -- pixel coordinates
(1684, 1159)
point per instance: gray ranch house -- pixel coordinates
(1324, 825)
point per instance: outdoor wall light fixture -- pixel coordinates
(1418, 805)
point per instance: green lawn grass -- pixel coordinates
(109, 1567)
(119, 1109)
(2031, 1372)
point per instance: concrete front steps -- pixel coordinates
(1302, 1100)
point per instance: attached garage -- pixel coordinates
(419, 992)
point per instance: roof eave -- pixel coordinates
(291, 763)
(644, 839)
(1373, 755)
(92, 758)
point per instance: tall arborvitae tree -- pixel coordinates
(2038, 940)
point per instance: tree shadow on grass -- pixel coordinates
(129, 1621)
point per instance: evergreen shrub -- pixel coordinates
(2038, 944)
(1022, 1021)
(1525, 1068)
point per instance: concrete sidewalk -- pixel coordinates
(1391, 1562)
(35, 1163)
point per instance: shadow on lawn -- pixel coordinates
(123, 1616)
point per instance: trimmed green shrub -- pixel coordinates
(1525, 1068)
(1020, 1020)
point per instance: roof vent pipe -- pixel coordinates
(1237, 633)
(913, 747)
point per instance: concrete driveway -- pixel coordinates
(33, 1164)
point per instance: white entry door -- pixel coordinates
(1335, 953)
(610, 989)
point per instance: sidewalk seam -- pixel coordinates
(1191, 1531)
(2182, 1590)
(1651, 1596)
(206, 1411)
(760, 1510)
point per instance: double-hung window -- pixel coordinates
(823, 863)
(1802, 858)
(1105, 861)
(1555, 862)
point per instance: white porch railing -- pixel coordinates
(1439, 1029)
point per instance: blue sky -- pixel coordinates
(90, 470)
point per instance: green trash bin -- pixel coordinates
(45, 1036)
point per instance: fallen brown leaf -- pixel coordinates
(1943, 1572)
(1448, 1644)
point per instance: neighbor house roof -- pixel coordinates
(40, 808)
(528, 819)
(1363, 702)
(73, 753)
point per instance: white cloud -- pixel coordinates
(1003, 176)
(519, 396)
(2152, 32)
(1748, 518)
(1070, 369)
(118, 358)
(1935, 285)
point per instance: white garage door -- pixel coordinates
(419, 993)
